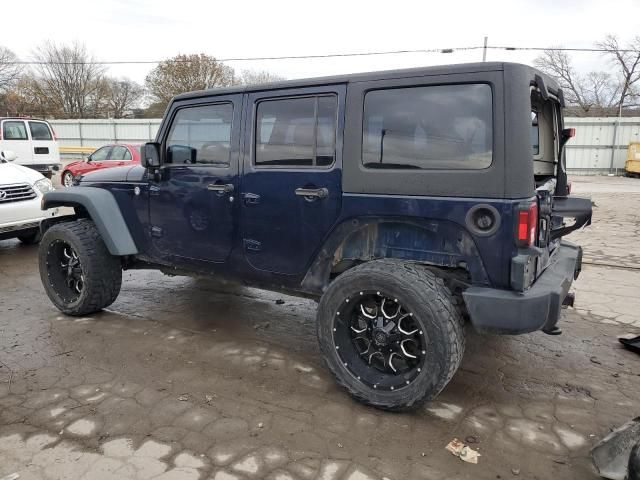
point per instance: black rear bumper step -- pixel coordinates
(509, 312)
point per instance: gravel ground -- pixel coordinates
(186, 378)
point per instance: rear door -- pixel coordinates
(16, 138)
(193, 196)
(45, 148)
(118, 157)
(291, 189)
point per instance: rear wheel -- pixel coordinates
(67, 179)
(77, 271)
(390, 333)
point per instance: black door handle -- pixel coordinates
(313, 192)
(221, 187)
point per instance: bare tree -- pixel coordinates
(122, 96)
(69, 76)
(185, 73)
(586, 91)
(627, 59)
(597, 89)
(9, 70)
(253, 77)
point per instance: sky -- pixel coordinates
(158, 29)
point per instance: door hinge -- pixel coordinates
(156, 231)
(252, 245)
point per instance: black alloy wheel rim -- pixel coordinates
(64, 270)
(379, 341)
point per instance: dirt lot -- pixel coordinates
(184, 379)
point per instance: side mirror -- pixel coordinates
(89, 159)
(150, 155)
(182, 154)
(8, 156)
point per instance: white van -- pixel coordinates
(33, 141)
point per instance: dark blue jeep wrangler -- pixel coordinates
(406, 202)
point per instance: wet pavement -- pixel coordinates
(188, 378)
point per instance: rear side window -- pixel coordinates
(40, 131)
(201, 135)
(432, 127)
(296, 132)
(120, 153)
(14, 130)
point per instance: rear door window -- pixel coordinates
(296, 132)
(14, 130)
(119, 153)
(428, 127)
(40, 131)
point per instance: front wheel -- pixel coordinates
(67, 179)
(77, 271)
(391, 333)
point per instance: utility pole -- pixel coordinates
(484, 49)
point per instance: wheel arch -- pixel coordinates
(102, 208)
(438, 243)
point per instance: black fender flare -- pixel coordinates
(103, 209)
(317, 276)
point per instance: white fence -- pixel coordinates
(594, 148)
(95, 133)
(589, 152)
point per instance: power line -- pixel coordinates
(329, 55)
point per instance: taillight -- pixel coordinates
(53, 132)
(527, 226)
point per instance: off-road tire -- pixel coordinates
(431, 302)
(30, 238)
(102, 271)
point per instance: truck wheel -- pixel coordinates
(79, 274)
(390, 333)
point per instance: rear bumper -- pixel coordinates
(44, 167)
(510, 313)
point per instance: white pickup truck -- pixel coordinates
(21, 191)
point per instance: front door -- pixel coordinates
(193, 196)
(291, 188)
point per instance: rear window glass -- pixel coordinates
(40, 131)
(296, 132)
(14, 130)
(433, 127)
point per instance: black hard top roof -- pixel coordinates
(361, 77)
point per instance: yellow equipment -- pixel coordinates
(632, 165)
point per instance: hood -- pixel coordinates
(73, 164)
(114, 174)
(12, 173)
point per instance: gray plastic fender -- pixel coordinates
(103, 210)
